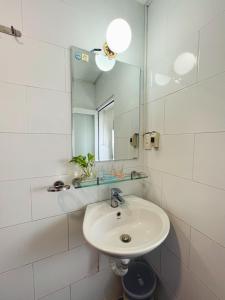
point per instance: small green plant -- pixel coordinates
(86, 163)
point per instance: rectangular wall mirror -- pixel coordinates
(105, 108)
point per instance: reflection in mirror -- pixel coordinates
(105, 108)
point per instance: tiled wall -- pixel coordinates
(187, 173)
(42, 252)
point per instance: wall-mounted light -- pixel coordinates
(118, 39)
(118, 35)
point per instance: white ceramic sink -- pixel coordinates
(144, 222)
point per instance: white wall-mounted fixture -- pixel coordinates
(118, 35)
(155, 139)
(147, 141)
(151, 140)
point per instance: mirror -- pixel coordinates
(105, 108)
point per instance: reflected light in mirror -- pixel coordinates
(184, 63)
(104, 63)
(162, 79)
(118, 35)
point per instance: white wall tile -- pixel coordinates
(195, 289)
(199, 12)
(15, 202)
(174, 280)
(153, 193)
(17, 284)
(192, 142)
(207, 261)
(41, 21)
(46, 204)
(76, 237)
(33, 155)
(163, 293)
(15, 154)
(103, 262)
(103, 285)
(11, 14)
(31, 241)
(157, 23)
(61, 270)
(63, 294)
(153, 187)
(32, 63)
(155, 177)
(13, 113)
(200, 108)
(212, 47)
(169, 73)
(154, 116)
(181, 282)
(209, 161)
(68, 71)
(49, 111)
(196, 204)
(175, 155)
(154, 259)
(178, 240)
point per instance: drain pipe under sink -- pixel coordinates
(119, 266)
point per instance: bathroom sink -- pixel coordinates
(127, 231)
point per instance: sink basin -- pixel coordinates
(130, 230)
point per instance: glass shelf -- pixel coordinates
(108, 179)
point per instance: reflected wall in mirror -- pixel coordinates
(105, 108)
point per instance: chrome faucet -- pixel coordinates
(116, 197)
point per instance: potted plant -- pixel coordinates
(86, 164)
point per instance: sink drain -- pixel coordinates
(125, 238)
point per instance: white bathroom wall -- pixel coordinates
(186, 104)
(43, 254)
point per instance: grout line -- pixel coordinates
(70, 287)
(54, 292)
(196, 132)
(68, 232)
(198, 57)
(188, 86)
(34, 133)
(41, 259)
(65, 70)
(164, 116)
(195, 228)
(33, 178)
(34, 86)
(189, 179)
(56, 45)
(21, 15)
(31, 202)
(35, 220)
(193, 156)
(33, 281)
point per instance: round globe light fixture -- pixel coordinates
(104, 63)
(118, 35)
